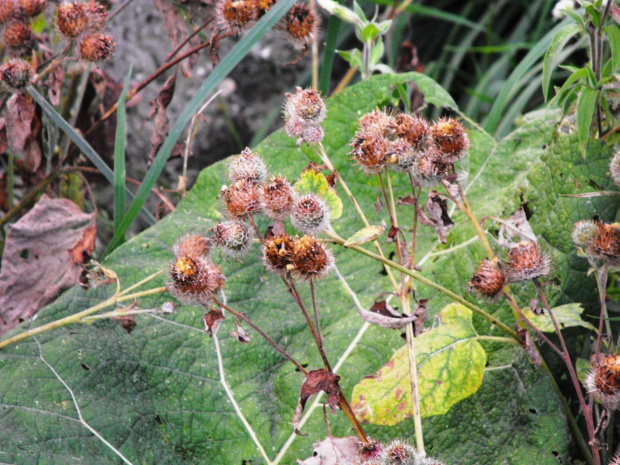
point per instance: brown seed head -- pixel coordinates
(371, 145)
(300, 23)
(195, 279)
(192, 245)
(236, 15)
(277, 253)
(430, 168)
(309, 214)
(16, 73)
(399, 453)
(96, 14)
(97, 47)
(488, 280)
(241, 198)
(371, 452)
(247, 165)
(603, 381)
(605, 244)
(614, 168)
(583, 233)
(7, 8)
(18, 37)
(413, 129)
(450, 138)
(234, 238)
(305, 105)
(526, 261)
(310, 258)
(401, 156)
(71, 19)
(32, 7)
(276, 198)
(263, 6)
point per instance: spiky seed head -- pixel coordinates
(236, 15)
(277, 253)
(371, 145)
(7, 8)
(18, 37)
(32, 7)
(97, 47)
(71, 19)
(615, 460)
(247, 165)
(310, 258)
(399, 453)
(413, 129)
(300, 23)
(97, 15)
(16, 73)
(276, 198)
(430, 168)
(195, 279)
(605, 244)
(263, 6)
(614, 168)
(451, 139)
(488, 280)
(191, 245)
(241, 198)
(312, 134)
(527, 261)
(583, 233)
(371, 452)
(603, 380)
(401, 155)
(234, 238)
(309, 214)
(376, 123)
(305, 105)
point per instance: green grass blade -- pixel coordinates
(585, 112)
(333, 28)
(81, 143)
(551, 56)
(217, 75)
(430, 12)
(119, 156)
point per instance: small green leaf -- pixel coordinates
(585, 112)
(368, 33)
(583, 367)
(38, 23)
(450, 363)
(313, 182)
(367, 234)
(614, 44)
(551, 56)
(566, 316)
(377, 53)
(353, 57)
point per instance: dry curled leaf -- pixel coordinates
(128, 322)
(420, 313)
(239, 334)
(43, 256)
(384, 315)
(19, 115)
(158, 106)
(438, 216)
(212, 321)
(516, 227)
(367, 234)
(335, 451)
(315, 382)
(530, 348)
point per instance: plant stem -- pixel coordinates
(11, 179)
(316, 313)
(601, 282)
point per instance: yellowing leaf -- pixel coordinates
(313, 182)
(450, 364)
(369, 233)
(566, 316)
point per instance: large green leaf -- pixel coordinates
(450, 366)
(155, 394)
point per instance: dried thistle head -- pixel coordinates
(603, 381)
(263, 6)
(371, 144)
(300, 23)
(605, 245)
(247, 165)
(18, 37)
(71, 19)
(614, 168)
(304, 111)
(399, 453)
(32, 7)
(310, 258)
(277, 253)
(309, 214)
(192, 245)
(371, 453)
(276, 198)
(241, 198)
(96, 14)
(527, 261)
(16, 73)
(430, 168)
(488, 280)
(401, 155)
(234, 238)
(7, 8)
(413, 129)
(236, 15)
(583, 233)
(450, 138)
(97, 47)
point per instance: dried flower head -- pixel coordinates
(241, 198)
(277, 252)
(96, 14)
(304, 111)
(413, 129)
(300, 23)
(234, 238)
(97, 47)
(605, 245)
(399, 453)
(401, 156)
(7, 8)
(71, 19)
(371, 145)
(309, 214)
(488, 280)
(310, 258)
(263, 6)
(276, 198)
(451, 139)
(247, 165)
(526, 261)
(18, 37)
(236, 15)
(430, 168)
(603, 381)
(193, 245)
(33, 7)
(583, 233)
(371, 453)
(614, 168)
(16, 73)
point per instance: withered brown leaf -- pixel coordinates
(335, 451)
(438, 216)
(239, 334)
(315, 382)
(212, 320)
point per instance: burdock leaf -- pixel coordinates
(450, 363)
(565, 315)
(312, 181)
(367, 234)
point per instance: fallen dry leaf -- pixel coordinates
(438, 216)
(315, 382)
(384, 315)
(161, 124)
(212, 320)
(19, 115)
(239, 334)
(335, 451)
(516, 227)
(43, 256)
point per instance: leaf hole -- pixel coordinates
(534, 411)
(24, 254)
